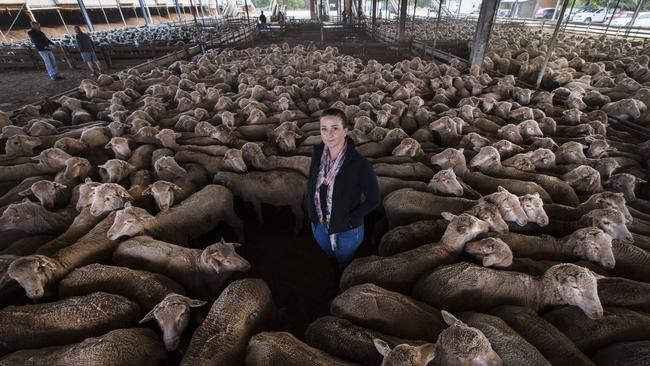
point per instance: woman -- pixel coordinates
(338, 175)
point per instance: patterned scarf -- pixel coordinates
(326, 175)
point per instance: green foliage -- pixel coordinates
(296, 4)
(261, 3)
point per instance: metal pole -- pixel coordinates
(145, 14)
(29, 12)
(84, 12)
(636, 13)
(3, 36)
(248, 19)
(16, 18)
(435, 32)
(119, 8)
(567, 19)
(402, 20)
(551, 44)
(557, 5)
(62, 21)
(612, 16)
(483, 30)
(374, 14)
(460, 2)
(104, 11)
(415, 5)
(178, 10)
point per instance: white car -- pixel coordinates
(642, 20)
(591, 15)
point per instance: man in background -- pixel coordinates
(44, 47)
(87, 49)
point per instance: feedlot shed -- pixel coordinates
(155, 215)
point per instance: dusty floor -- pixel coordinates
(24, 86)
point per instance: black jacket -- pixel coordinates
(355, 176)
(84, 42)
(40, 40)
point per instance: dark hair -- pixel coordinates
(76, 27)
(336, 113)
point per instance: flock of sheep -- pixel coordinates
(159, 34)
(515, 232)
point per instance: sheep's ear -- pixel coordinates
(501, 189)
(194, 303)
(175, 187)
(536, 194)
(88, 180)
(127, 204)
(429, 352)
(124, 194)
(147, 190)
(149, 315)
(108, 145)
(382, 347)
(60, 186)
(447, 216)
(449, 318)
(26, 192)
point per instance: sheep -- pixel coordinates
(275, 348)
(53, 324)
(213, 203)
(561, 284)
(242, 309)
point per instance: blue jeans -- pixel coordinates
(50, 63)
(347, 243)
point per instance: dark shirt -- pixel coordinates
(84, 42)
(262, 18)
(40, 40)
(356, 176)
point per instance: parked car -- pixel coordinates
(596, 15)
(544, 13)
(574, 12)
(642, 20)
(619, 14)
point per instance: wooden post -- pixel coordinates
(62, 21)
(66, 56)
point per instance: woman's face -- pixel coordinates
(332, 131)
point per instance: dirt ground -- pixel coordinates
(24, 86)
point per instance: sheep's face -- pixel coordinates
(571, 153)
(598, 148)
(464, 227)
(593, 244)
(234, 159)
(510, 133)
(486, 158)
(167, 166)
(405, 354)
(120, 147)
(534, 208)
(53, 157)
(408, 147)
(108, 197)
(461, 345)
(130, 221)
(222, 257)
(76, 167)
(70, 145)
(473, 140)
(449, 158)
(490, 214)
(172, 315)
(509, 206)
(286, 140)
(163, 193)
(252, 154)
(612, 222)
(115, 170)
(86, 193)
(543, 158)
(32, 273)
(530, 129)
(21, 145)
(576, 286)
(626, 184)
(45, 191)
(493, 252)
(446, 182)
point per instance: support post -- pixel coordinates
(415, 5)
(483, 30)
(612, 16)
(62, 21)
(312, 9)
(636, 14)
(248, 19)
(29, 12)
(567, 20)
(402, 20)
(374, 14)
(104, 12)
(435, 32)
(84, 12)
(119, 8)
(145, 13)
(551, 45)
(178, 10)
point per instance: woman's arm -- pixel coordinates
(370, 189)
